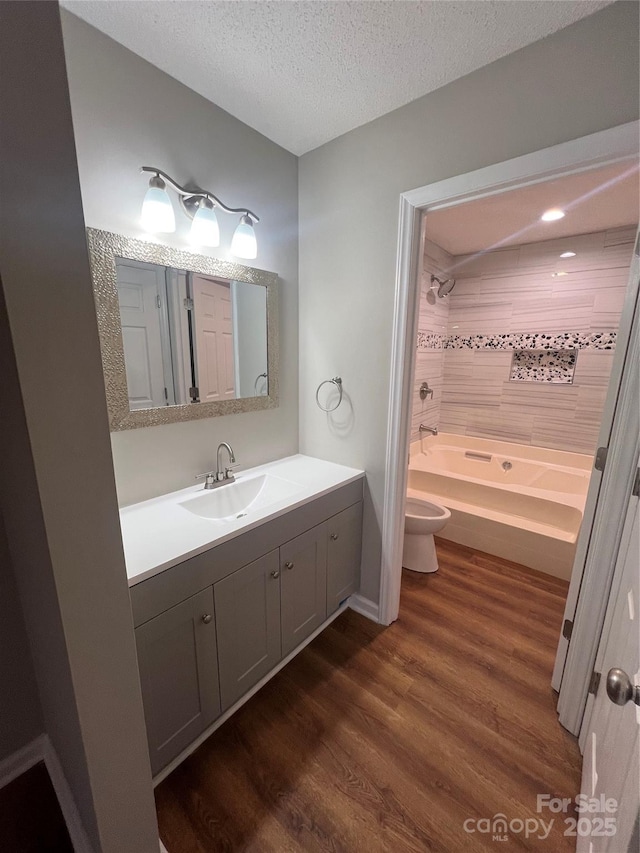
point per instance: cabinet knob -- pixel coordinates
(288, 564)
(275, 573)
(334, 536)
(207, 618)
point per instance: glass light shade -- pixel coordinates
(157, 210)
(204, 228)
(244, 244)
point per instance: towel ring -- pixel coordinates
(255, 384)
(337, 381)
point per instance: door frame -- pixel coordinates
(599, 149)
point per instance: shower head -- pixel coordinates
(444, 287)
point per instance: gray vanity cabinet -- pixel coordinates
(344, 545)
(248, 626)
(179, 676)
(303, 573)
(245, 604)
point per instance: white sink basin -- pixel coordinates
(237, 499)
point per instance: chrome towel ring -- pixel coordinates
(255, 384)
(337, 381)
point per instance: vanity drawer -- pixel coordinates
(152, 597)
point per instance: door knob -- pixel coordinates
(620, 689)
(334, 536)
(275, 573)
(207, 618)
(288, 564)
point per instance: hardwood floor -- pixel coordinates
(389, 739)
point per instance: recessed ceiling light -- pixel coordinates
(552, 214)
(568, 255)
(558, 274)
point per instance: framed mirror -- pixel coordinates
(182, 336)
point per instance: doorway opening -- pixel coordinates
(614, 149)
(517, 325)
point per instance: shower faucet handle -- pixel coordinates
(425, 391)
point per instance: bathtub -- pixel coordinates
(512, 500)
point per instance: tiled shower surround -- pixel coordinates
(513, 300)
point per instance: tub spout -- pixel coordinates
(424, 428)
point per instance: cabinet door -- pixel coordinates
(343, 556)
(248, 626)
(303, 565)
(179, 675)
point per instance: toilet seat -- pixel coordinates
(423, 517)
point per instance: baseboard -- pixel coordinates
(22, 760)
(77, 832)
(365, 607)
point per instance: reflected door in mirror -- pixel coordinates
(140, 290)
(213, 329)
(189, 337)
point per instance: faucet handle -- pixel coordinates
(228, 468)
(208, 476)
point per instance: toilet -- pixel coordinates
(422, 519)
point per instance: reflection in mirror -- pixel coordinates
(182, 336)
(190, 337)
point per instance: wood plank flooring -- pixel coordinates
(388, 739)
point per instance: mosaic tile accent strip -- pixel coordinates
(535, 341)
(550, 366)
(430, 341)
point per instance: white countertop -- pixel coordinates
(159, 533)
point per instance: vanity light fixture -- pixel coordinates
(200, 206)
(568, 255)
(552, 215)
(157, 210)
(205, 230)
(243, 244)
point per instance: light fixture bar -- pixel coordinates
(190, 198)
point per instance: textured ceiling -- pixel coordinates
(306, 71)
(593, 201)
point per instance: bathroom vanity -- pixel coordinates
(219, 601)
(229, 581)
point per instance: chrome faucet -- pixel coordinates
(221, 476)
(432, 430)
(223, 473)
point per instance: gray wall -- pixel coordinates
(57, 491)
(250, 316)
(578, 81)
(127, 113)
(20, 713)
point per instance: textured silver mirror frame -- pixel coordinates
(104, 248)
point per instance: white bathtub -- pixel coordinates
(528, 510)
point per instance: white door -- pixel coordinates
(610, 789)
(213, 324)
(603, 520)
(141, 335)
